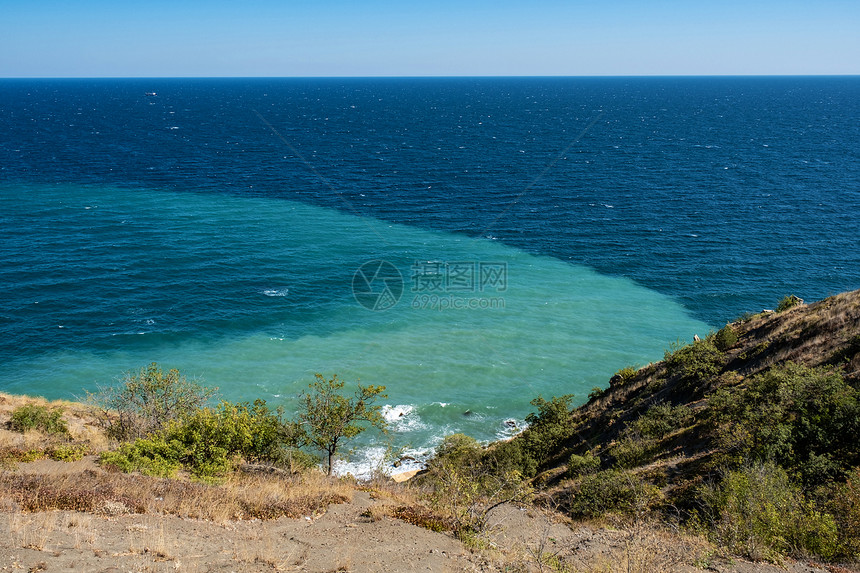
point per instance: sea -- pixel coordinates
(469, 243)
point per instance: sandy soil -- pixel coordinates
(344, 538)
(339, 540)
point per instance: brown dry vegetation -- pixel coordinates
(79, 516)
(240, 497)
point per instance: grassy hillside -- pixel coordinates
(749, 435)
(677, 393)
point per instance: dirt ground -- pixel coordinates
(347, 537)
(357, 536)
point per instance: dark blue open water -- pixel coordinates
(217, 226)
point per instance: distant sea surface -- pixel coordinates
(468, 243)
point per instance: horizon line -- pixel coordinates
(462, 76)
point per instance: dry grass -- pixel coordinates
(640, 547)
(240, 497)
(32, 531)
(81, 527)
(808, 334)
(262, 547)
(150, 539)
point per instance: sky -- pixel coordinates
(301, 38)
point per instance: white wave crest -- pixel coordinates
(375, 460)
(276, 292)
(510, 428)
(402, 418)
(394, 413)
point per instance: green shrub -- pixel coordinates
(548, 428)
(725, 338)
(153, 456)
(787, 302)
(148, 401)
(695, 363)
(458, 449)
(662, 419)
(510, 456)
(631, 451)
(623, 376)
(251, 431)
(805, 419)
(32, 455)
(582, 465)
(613, 491)
(550, 424)
(596, 392)
(68, 453)
(42, 418)
(756, 511)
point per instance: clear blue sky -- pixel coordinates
(151, 38)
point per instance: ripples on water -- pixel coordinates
(218, 225)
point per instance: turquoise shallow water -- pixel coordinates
(255, 296)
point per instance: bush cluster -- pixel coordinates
(459, 449)
(632, 450)
(210, 442)
(805, 419)
(757, 511)
(42, 418)
(548, 428)
(623, 376)
(662, 419)
(725, 338)
(695, 363)
(578, 466)
(613, 491)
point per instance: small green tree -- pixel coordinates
(725, 338)
(327, 417)
(147, 401)
(548, 428)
